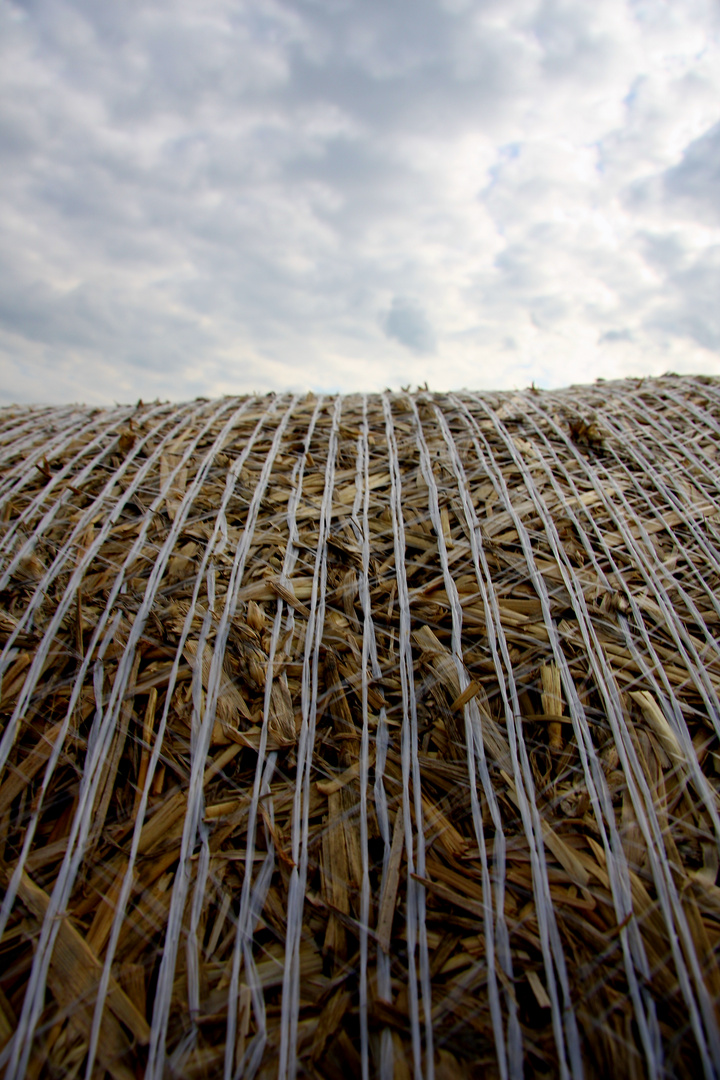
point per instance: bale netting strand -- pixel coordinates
(415, 927)
(474, 745)
(109, 442)
(251, 903)
(564, 1023)
(306, 744)
(181, 514)
(35, 448)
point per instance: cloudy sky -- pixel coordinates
(220, 196)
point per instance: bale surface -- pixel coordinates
(362, 736)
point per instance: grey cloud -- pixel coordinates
(360, 182)
(570, 43)
(98, 317)
(695, 182)
(692, 311)
(688, 189)
(519, 270)
(432, 72)
(522, 275)
(429, 72)
(685, 305)
(408, 324)
(611, 337)
(664, 251)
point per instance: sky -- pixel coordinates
(228, 196)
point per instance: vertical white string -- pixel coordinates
(362, 497)
(633, 950)
(510, 1050)
(416, 929)
(210, 548)
(370, 660)
(161, 1010)
(287, 1065)
(246, 916)
(563, 1017)
(463, 680)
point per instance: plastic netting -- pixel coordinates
(370, 736)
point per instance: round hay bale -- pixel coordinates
(369, 736)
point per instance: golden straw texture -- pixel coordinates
(370, 736)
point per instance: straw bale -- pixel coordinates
(370, 736)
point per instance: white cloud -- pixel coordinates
(254, 195)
